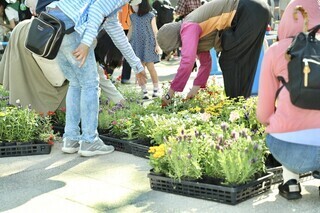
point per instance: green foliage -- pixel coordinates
(23, 125)
(4, 97)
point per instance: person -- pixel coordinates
(4, 25)
(184, 7)
(292, 133)
(77, 61)
(106, 53)
(232, 29)
(12, 14)
(25, 80)
(165, 14)
(124, 18)
(142, 37)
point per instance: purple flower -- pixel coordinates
(182, 132)
(254, 160)
(224, 126)
(256, 147)
(234, 135)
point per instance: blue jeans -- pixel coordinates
(82, 101)
(297, 158)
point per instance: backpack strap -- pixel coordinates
(70, 30)
(281, 79)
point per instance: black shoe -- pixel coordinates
(291, 190)
(124, 81)
(316, 174)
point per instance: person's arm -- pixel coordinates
(268, 86)
(96, 14)
(116, 33)
(11, 16)
(155, 31)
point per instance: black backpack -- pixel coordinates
(304, 70)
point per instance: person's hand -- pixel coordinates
(81, 53)
(141, 78)
(157, 50)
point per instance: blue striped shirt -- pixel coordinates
(88, 16)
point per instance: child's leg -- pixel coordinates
(144, 87)
(154, 78)
(153, 73)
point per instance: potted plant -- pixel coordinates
(229, 161)
(4, 97)
(58, 120)
(24, 132)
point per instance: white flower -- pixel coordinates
(234, 115)
(18, 101)
(205, 116)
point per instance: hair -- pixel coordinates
(3, 3)
(144, 8)
(106, 48)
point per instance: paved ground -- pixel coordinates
(116, 182)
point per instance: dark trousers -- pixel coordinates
(241, 46)
(126, 69)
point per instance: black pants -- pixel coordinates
(241, 46)
(126, 69)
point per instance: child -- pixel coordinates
(141, 35)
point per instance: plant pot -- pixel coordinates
(140, 148)
(58, 129)
(119, 144)
(24, 149)
(215, 192)
(277, 177)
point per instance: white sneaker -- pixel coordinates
(156, 93)
(145, 95)
(88, 149)
(70, 146)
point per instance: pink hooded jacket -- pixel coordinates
(287, 117)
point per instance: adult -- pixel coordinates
(24, 78)
(4, 23)
(293, 133)
(12, 14)
(77, 60)
(165, 14)
(232, 28)
(184, 7)
(124, 19)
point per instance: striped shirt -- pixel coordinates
(88, 16)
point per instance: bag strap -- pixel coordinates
(281, 79)
(44, 14)
(313, 31)
(70, 30)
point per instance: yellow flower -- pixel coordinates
(152, 149)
